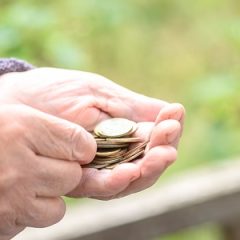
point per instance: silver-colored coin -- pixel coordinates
(114, 127)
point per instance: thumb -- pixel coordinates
(54, 137)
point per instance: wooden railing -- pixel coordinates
(207, 195)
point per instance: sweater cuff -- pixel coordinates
(13, 65)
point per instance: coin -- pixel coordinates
(122, 145)
(118, 140)
(136, 149)
(115, 143)
(108, 153)
(114, 127)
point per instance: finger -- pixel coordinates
(146, 108)
(102, 110)
(118, 101)
(42, 212)
(106, 182)
(143, 109)
(55, 177)
(165, 133)
(151, 166)
(172, 111)
(144, 130)
(133, 106)
(53, 137)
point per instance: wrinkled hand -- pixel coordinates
(86, 99)
(34, 176)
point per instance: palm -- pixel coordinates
(86, 99)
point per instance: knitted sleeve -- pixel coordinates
(13, 65)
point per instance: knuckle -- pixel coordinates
(56, 213)
(47, 215)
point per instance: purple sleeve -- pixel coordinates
(13, 65)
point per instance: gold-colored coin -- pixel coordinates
(114, 127)
(115, 144)
(118, 140)
(136, 149)
(108, 153)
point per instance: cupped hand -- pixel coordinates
(86, 99)
(34, 172)
(127, 178)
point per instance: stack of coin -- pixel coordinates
(115, 143)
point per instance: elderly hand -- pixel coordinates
(34, 172)
(86, 99)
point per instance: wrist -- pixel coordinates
(9, 66)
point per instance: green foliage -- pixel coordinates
(186, 51)
(205, 232)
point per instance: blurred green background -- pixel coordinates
(180, 51)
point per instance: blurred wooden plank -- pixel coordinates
(231, 229)
(208, 195)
